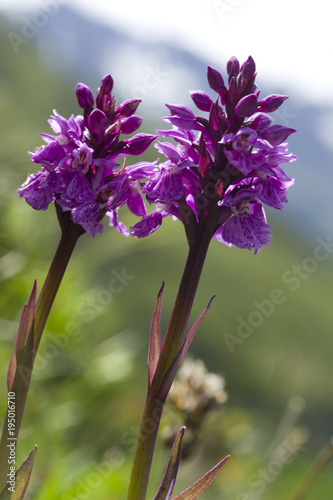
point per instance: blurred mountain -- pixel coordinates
(84, 50)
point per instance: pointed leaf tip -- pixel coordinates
(210, 301)
(168, 482)
(199, 486)
(155, 342)
(22, 478)
(170, 374)
(193, 330)
(24, 473)
(24, 338)
(162, 288)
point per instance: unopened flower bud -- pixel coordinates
(246, 106)
(202, 100)
(84, 96)
(233, 67)
(248, 69)
(97, 123)
(104, 99)
(138, 144)
(271, 103)
(127, 108)
(215, 80)
(106, 85)
(131, 124)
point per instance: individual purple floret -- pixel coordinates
(79, 169)
(222, 167)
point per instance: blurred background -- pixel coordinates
(275, 355)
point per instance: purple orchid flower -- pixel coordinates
(79, 169)
(246, 227)
(223, 166)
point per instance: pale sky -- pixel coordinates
(289, 40)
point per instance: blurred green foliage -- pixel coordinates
(88, 388)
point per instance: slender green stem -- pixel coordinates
(54, 277)
(70, 235)
(174, 339)
(319, 463)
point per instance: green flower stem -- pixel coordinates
(69, 238)
(173, 341)
(315, 469)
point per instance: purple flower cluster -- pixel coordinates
(79, 170)
(220, 169)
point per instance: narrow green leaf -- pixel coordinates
(168, 482)
(6, 494)
(171, 372)
(199, 486)
(22, 478)
(18, 377)
(193, 330)
(155, 343)
(24, 339)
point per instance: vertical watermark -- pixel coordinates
(11, 445)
